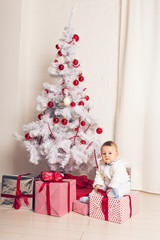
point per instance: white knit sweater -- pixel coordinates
(111, 176)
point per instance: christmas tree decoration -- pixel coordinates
(83, 123)
(81, 78)
(76, 37)
(75, 62)
(65, 136)
(87, 98)
(27, 136)
(66, 100)
(73, 104)
(81, 103)
(57, 46)
(59, 53)
(83, 142)
(76, 82)
(99, 130)
(61, 67)
(64, 121)
(56, 120)
(50, 104)
(40, 116)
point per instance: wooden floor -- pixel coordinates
(27, 225)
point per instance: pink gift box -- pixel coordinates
(55, 199)
(119, 209)
(82, 208)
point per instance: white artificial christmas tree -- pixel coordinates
(65, 136)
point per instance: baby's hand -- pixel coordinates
(97, 187)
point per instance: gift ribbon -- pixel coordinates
(48, 195)
(105, 203)
(51, 176)
(130, 204)
(17, 203)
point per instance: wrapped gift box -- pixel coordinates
(17, 191)
(55, 198)
(82, 208)
(116, 210)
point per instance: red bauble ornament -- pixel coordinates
(73, 104)
(83, 142)
(81, 78)
(57, 46)
(55, 60)
(99, 130)
(64, 121)
(81, 103)
(83, 123)
(76, 129)
(76, 82)
(87, 98)
(27, 136)
(59, 53)
(61, 67)
(56, 120)
(40, 116)
(75, 62)
(50, 104)
(76, 37)
(46, 90)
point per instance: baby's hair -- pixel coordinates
(110, 143)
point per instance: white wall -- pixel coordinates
(29, 31)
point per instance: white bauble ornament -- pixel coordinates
(66, 101)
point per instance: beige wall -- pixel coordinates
(29, 31)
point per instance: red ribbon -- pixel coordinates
(130, 204)
(17, 203)
(105, 203)
(48, 195)
(51, 176)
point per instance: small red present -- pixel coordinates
(82, 208)
(55, 198)
(115, 210)
(51, 176)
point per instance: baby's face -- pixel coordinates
(109, 154)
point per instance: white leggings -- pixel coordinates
(122, 190)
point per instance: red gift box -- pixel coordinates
(82, 208)
(55, 198)
(115, 210)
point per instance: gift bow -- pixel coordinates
(17, 203)
(51, 176)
